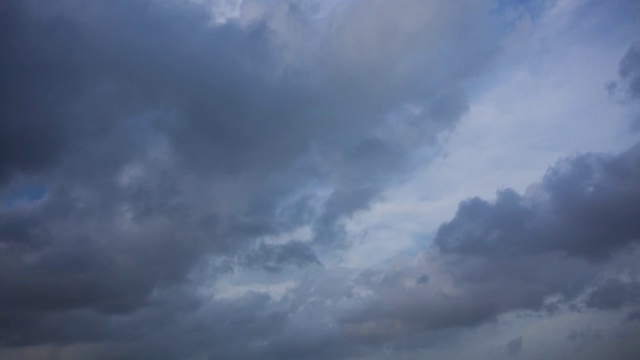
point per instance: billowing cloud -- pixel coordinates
(160, 159)
(584, 207)
(568, 242)
(172, 148)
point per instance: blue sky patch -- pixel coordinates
(27, 194)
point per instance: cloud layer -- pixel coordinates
(150, 151)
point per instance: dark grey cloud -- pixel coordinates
(628, 84)
(630, 70)
(634, 316)
(588, 334)
(174, 151)
(585, 207)
(163, 141)
(614, 294)
(569, 242)
(422, 279)
(514, 346)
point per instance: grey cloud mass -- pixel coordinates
(630, 70)
(568, 243)
(614, 294)
(162, 141)
(585, 207)
(150, 152)
(514, 346)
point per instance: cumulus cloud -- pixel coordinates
(567, 242)
(584, 207)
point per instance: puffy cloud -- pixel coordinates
(569, 242)
(585, 207)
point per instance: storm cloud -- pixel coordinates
(180, 179)
(164, 142)
(568, 243)
(585, 207)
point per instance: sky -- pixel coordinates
(319, 179)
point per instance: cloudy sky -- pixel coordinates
(319, 179)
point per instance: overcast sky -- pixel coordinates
(319, 179)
